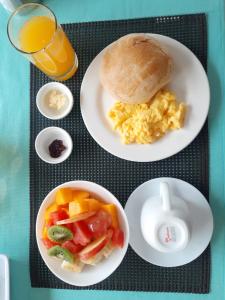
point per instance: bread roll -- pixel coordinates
(134, 68)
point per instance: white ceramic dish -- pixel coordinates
(90, 275)
(200, 221)
(190, 84)
(42, 104)
(46, 137)
(4, 278)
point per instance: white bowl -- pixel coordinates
(49, 112)
(90, 274)
(46, 137)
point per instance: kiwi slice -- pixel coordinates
(59, 234)
(61, 253)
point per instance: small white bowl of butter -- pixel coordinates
(54, 100)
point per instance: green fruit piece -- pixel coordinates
(61, 253)
(59, 234)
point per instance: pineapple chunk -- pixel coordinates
(77, 207)
(108, 249)
(80, 206)
(77, 266)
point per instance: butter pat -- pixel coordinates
(56, 99)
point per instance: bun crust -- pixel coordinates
(134, 68)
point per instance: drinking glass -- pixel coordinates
(34, 31)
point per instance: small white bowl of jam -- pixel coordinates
(54, 100)
(53, 145)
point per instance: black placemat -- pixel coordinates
(90, 162)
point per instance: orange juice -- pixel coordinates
(49, 47)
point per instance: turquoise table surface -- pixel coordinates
(14, 143)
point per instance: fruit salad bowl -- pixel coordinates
(82, 232)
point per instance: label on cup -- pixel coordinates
(169, 235)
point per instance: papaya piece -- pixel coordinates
(53, 207)
(44, 232)
(112, 210)
(78, 195)
(93, 204)
(63, 196)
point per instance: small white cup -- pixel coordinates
(46, 137)
(164, 222)
(47, 111)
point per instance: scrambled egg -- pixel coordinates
(146, 123)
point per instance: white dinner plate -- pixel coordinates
(191, 86)
(200, 220)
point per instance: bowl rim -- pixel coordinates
(90, 184)
(61, 86)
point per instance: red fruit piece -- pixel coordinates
(49, 223)
(69, 226)
(49, 244)
(96, 246)
(109, 234)
(99, 223)
(59, 215)
(69, 245)
(118, 238)
(82, 235)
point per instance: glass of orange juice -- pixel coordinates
(34, 31)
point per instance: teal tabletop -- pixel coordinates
(14, 144)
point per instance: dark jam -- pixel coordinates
(56, 148)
